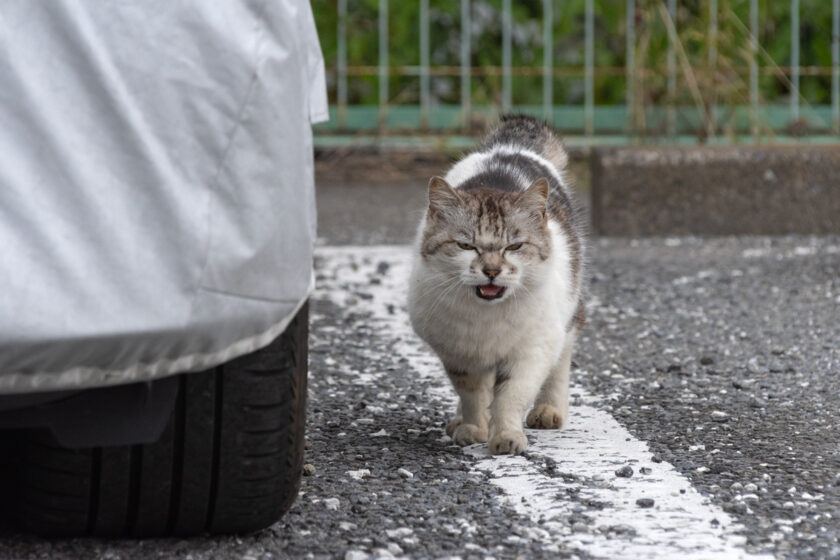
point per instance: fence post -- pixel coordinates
(424, 64)
(548, 63)
(835, 66)
(383, 64)
(713, 36)
(507, 23)
(589, 62)
(754, 66)
(671, 63)
(466, 109)
(794, 59)
(341, 85)
(630, 64)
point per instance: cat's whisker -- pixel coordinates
(441, 297)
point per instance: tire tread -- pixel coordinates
(229, 460)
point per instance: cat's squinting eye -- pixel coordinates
(514, 247)
(465, 246)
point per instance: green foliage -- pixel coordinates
(725, 83)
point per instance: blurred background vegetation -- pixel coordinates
(723, 83)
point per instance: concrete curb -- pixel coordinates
(716, 191)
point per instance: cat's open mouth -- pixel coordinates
(489, 291)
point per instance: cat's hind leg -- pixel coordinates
(551, 407)
(475, 391)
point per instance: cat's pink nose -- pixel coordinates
(491, 272)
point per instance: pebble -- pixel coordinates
(624, 472)
(358, 474)
(399, 533)
(645, 502)
(309, 469)
(405, 473)
(332, 504)
(719, 416)
(735, 507)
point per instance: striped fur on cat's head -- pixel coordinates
(487, 242)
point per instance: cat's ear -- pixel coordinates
(535, 198)
(442, 197)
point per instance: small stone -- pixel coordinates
(656, 459)
(358, 474)
(309, 469)
(719, 416)
(735, 507)
(405, 473)
(624, 472)
(618, 530)
(707, 360)
(399, 533)
(356, 555)
(332, 504)
(758, 402)
(645, 502)
(645, 470)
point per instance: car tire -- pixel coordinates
(229, 460)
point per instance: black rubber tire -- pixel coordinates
(229, 460)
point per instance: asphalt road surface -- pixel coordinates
(703, 423)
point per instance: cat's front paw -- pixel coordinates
(467, 434)
(453, 425)
(508, 442)
(545, 417)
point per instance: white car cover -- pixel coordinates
(157, 209)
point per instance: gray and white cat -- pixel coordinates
(497, 281)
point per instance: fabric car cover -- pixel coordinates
(157, 209)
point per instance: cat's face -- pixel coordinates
(487, 243)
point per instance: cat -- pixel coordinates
(497, 282)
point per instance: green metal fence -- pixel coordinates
(714, 85)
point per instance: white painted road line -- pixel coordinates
(567, 472)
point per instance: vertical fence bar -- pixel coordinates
(671, 63)
(589, 74)
(630, 64)
(466, 98)
(835, 66)
(341, 63)
(794, 59)
(548, 61)
(713, 54)
(424, 64)
(754, 66)
(383, 63)
(507, 24)
(713, 32)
